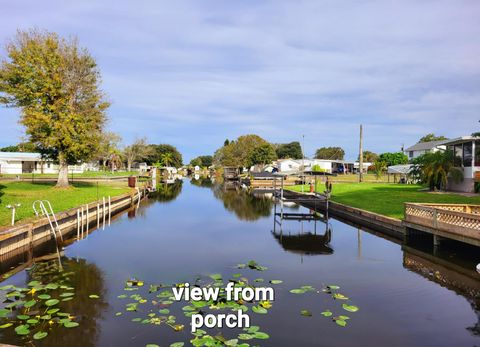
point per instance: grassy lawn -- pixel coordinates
(388, 199)
(25, 193)
(88, 174)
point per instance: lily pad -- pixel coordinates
(298, 291)
(276, 281)
(40, 335)
(94, 296)
(306, 313)
(22, 329)
(350, 308)
(70, 324)
(52, 302)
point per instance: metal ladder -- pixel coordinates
(48, 213)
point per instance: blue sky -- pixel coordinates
(192, 73)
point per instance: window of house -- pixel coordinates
(477, 153)
(410, 154)
(467, 154)
(48, 165)
(458, 155)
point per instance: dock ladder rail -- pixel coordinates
(46, 209)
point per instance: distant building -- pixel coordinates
(20, 162)
(325, 165)
(424, 147)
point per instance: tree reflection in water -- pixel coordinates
(167, 192)
(87, 279)
(246, 206)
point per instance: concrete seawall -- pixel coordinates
(31, 235)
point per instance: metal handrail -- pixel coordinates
(46, 213)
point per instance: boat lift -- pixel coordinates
(45, 207)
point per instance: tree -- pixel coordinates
(138, 150)
(369, 157)
(335, 153)
(226, 142)
(476, 134)
(291, 150)
(380, 167)
(202, 160)
(262, 154)
(397, 158)
(108, 147)
(55, 83)
(237, 153)
(157, 151)
(432, 137)
(13, 148)
(434, 168)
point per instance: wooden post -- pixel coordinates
(103, 212)
(98, 215)
(86, 222)
(81, 221)
(78, 224)
(109, 210)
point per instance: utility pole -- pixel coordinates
(303, 161)
(360, 157)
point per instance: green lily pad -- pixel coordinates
(40, 335)
(276, 281)
(44, 296)
(327, 313)
(298, 291)
(6, 325)
(306, 313)
(52, 302)
(70, 324)
(177, 344)
(93, 296)
(341, 322)
(350, 308)
(261, 335)
(29, 304)
(259, 309)
(22, 329)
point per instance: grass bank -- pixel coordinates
(25, 193)
(86, 174)
(388, 199)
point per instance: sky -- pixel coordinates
(193, 73)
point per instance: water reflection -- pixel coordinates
(314, 240)
(87, 279)
(167, 192)
(246, 206)
(461, 280)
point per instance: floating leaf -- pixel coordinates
(30, 303)
(259, 309)
(245, 336)
(177, 344)
(333, 287)
(5, 325)
(118, 314)
(261, 335)
(327, 313)
(33, 284)
(350, 308)
(70, 324)
(306, 313)
(297, 291)
(151, 345)
(216, 277)
(52, 302)
(22, 329)
(40, 335)
(94, 296)
(44, 296)
(23, 316)
(341, 322)
(276, 281)
(66, 295)
(340, 296)
(4, 312)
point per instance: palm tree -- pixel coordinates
(435, 168)
(166, 158)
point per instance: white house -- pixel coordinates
(20, 162)
(424, 147)
(467, 156)
(326, 165)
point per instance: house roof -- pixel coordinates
(425, 146)
(23, 156)
(461, 140)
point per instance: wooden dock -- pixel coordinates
(452, 221)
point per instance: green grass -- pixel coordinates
(86, 174)
(25, 193)
(388, 199)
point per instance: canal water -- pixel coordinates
(407, 295)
